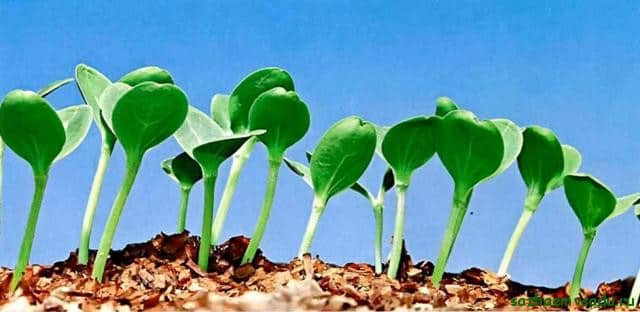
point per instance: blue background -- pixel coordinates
(573, 67)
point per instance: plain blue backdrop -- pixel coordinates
(570, 66)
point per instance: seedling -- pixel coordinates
(185, 171)
(635, 290)
(339, 160)
(286, 119)
(543, 163)
(92, 85)
(143, 117)
(472, 151)
(232, 114)
(593, 203)
(406, 147)
(208, 144)
(41, 136)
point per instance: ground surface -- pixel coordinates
(162, 275)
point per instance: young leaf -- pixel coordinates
(572, 162)
(54, 86)
(623, 204)
(220, 111)
(76, 121)
(300, 170)
(249, 89)
(284, 116)
(444, 105)
(590, 199)
(148, 114)
(638, 212)
(512, 144)
(541, 160)
(183, 169)
(32, 129)
(108, 100)
(149, 73)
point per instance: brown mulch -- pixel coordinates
(163, 274)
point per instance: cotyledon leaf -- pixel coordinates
(590, 199)
(148, 73)
(572, 162)
(76, 121)
(541, 160)
(108, 100)
(512, 143)
(91, 84)
(220, 111)
(444, 105)
(623, 204)
(53, 86)
(197, 129)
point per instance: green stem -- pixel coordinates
(461, 197)
(40, 182)
(530, 206)
(398, 232)
(184, 205)
(114, 216)
(378, 209)
(272, 181)
(1, 177)
(635, 291)
(239, 160)
(316, 211)
(92, 204)
(574, 291)
(207, 216)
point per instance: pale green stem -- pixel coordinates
(40, 182)
(1, 178)
(114, 216)
(574, 291)
(461, 197)
(258, 233)
(316, 211)
(207, 220)
(635, 291)
(378, 215)
(239, 160)
(398, 232)
(184, 205)
(92, 204)
(531, 204)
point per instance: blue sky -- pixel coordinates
(573, 67)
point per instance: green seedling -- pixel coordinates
(41, 136)
(472, 151)
(635, 290)
(406, 147)
(208, 144)
(92, 85)
(144, 116)
(339, 160)
(543, 163)
(185, 171)
(593, 203)
(232, 114)
(286, 119)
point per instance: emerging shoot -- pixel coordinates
(406, 147)
(286, 119)
(341, 157)
(185, 171)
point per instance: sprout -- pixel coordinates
(186, 172)
(286, 119)
(232, 114)
(635, 290)
(341, 157)
(142, 117)
(92, 85)
(208, 144)
(543, 163)
(406, 147)
(593, 203)
(41, 136)
(472, 151)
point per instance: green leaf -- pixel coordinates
(512, 141)
(31, 128)
(54, 86)
(300, 170)
(541, 160)
(210, 155)
(108, 100)
(249, 89)
(408, 145)
(76, 121)
(91, 84)
(148, 114)
(590, 199)
(469, 149)
(283, 115)
(342, 155)
(572, 162)
(444, 105)
(220, 111)
(623, 204)
(149, 73)
(388, 181)
(381, 131)
(183, 169)
(638, 212)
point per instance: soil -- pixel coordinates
(162, 274)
